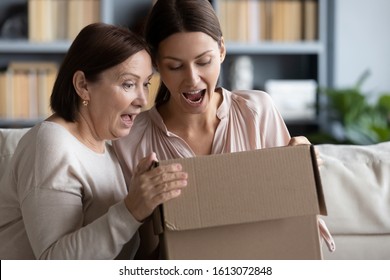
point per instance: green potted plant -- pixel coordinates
(354, 120)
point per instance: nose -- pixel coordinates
(142, 97)
(192, 76)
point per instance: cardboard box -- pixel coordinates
(260, 204)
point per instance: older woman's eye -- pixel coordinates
(127, 86)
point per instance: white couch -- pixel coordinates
(356, 183)
(9, 139)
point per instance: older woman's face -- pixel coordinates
(119, 95)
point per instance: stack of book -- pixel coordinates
(268, 20)
(52, 20)
(25, 89)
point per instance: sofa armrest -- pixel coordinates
(9, 139)
(356, 185)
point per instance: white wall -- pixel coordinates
(362, 41)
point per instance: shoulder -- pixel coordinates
(52, 138)
(256, 100)
(38, 137)
(42, 152)
(252, 95)
(49, 142)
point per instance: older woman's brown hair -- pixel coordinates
(96, 48)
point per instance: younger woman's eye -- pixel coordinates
(203, 63)
(147, 85)
(174, 67)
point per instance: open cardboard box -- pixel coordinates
(260, 204)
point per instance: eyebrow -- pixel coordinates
(134, 75)
(198, 56)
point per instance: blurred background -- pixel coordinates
(326, 63)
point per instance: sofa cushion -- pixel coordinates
(9, 139)
(359, 247)
(356, 182)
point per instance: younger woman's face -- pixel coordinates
(189, 64)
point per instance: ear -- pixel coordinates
(80, 84)
(222, 50)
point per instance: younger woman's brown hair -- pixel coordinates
(168, 17)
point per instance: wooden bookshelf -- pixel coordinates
(51, 25)
(299, 50)
(54, 20)
(285, 39)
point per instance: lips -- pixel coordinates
(194, 97)
(127, 119)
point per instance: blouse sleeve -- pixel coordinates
(55, 228)
(270, 127)
(274, 131)
(72, 205)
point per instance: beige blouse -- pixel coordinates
(248, 121)
(61, 200)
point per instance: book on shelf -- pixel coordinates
(81, 13)
(20, 89)
(235, 19)
(254, 24)
(59, 19)
(268, 20)
(293, 21)
(286, 20)
(25, 89)
(265, 17)
(277, 20)
(310, 20)
(52, 20)
(46, 81)
(3, 95)
(32, 65)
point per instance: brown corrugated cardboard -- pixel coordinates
(259, 204)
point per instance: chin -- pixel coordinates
(119, 133)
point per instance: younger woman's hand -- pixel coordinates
(152, 187)
(302, 140)
(298, 140)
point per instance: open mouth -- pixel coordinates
(194, 97)
(128, 119)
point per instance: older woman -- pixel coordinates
(64, 195)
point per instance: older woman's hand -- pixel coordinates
(152, 187)
(302, 140)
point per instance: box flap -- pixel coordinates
(245, 187)
(320, 192)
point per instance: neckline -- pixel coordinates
(74, 138)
